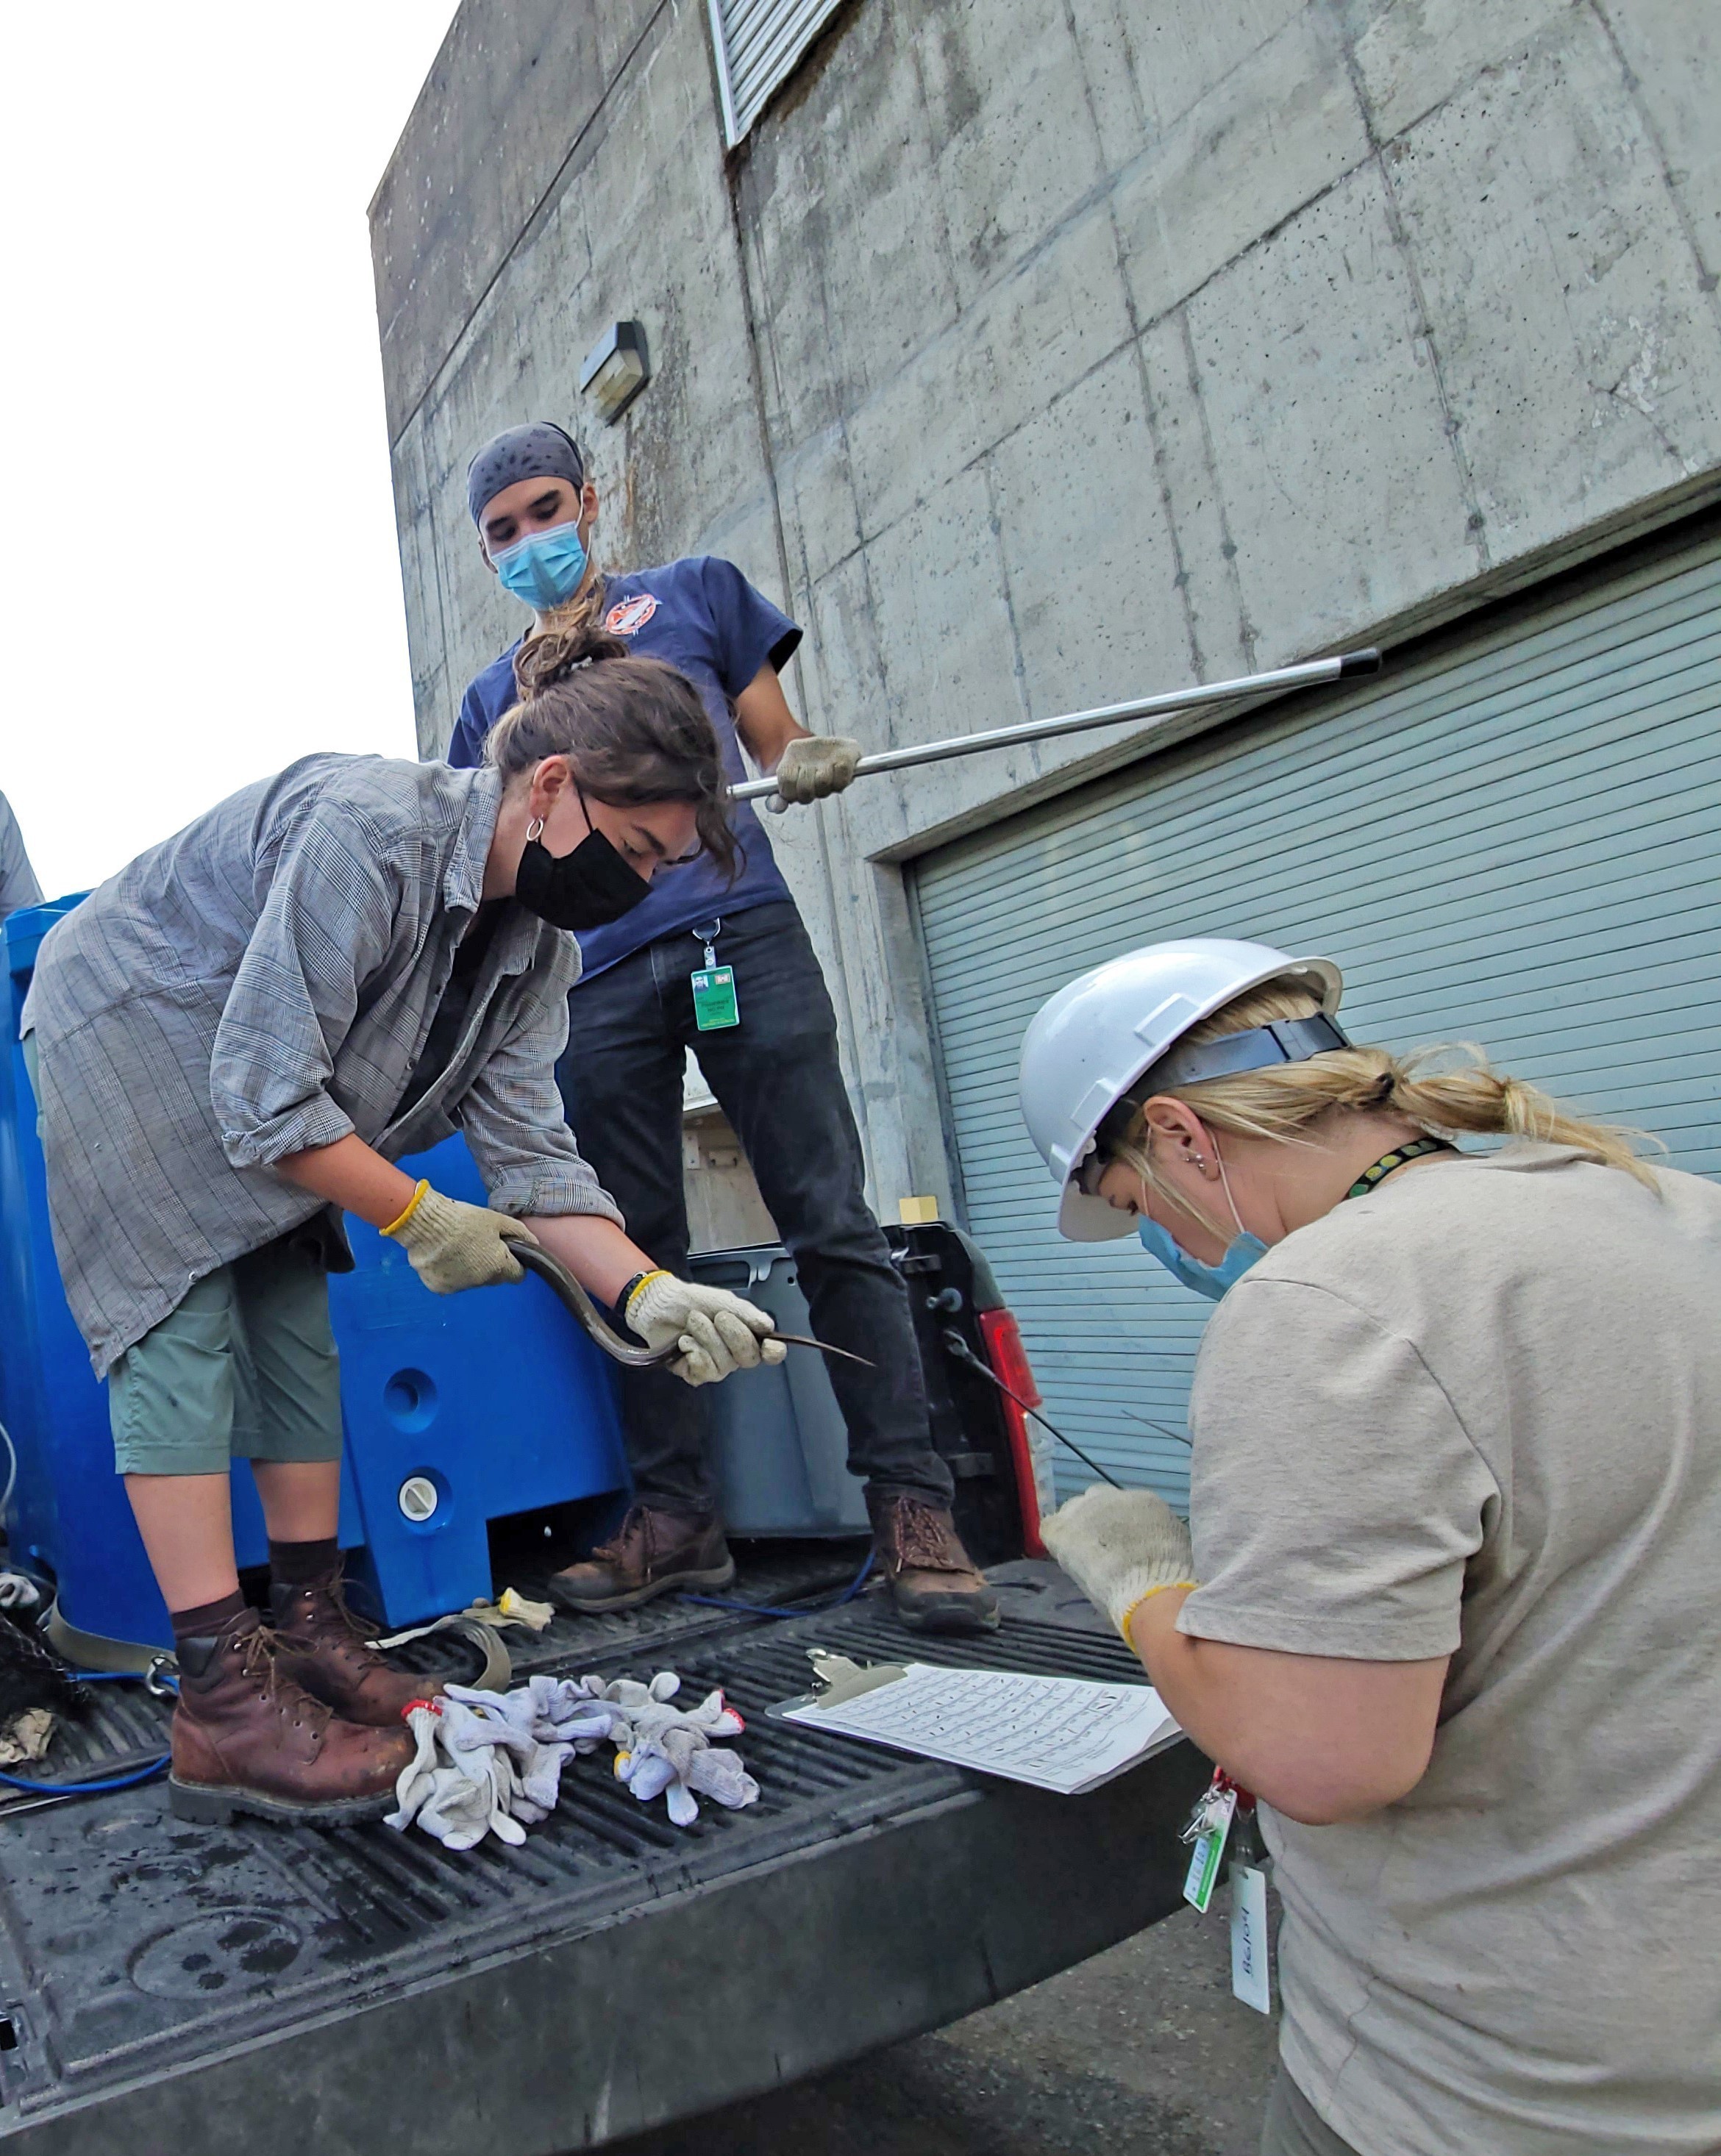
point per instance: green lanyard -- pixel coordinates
(1417, 1149)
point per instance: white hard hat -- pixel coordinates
(1088, 1046)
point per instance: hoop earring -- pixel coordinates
(534, 830)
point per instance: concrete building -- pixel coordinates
(1035, 357)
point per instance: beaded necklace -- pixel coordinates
(1417, 1149)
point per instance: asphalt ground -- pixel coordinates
(1142, 2051)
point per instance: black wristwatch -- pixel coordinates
(619, 1308)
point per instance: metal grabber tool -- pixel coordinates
(1343, 666)
(631, 1354)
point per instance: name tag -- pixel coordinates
(1252, 1980)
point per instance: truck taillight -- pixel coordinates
(1030, 1462)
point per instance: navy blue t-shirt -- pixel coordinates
(702, 616)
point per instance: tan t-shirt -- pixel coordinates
(1478, 1413)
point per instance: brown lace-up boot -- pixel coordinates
(934, 1583)
(246, 1738)
(321, 1645)
(652, 1552)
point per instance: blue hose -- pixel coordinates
(87, 1789)
(765, 1609)
(113, 1782)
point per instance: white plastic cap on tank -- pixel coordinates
(1088, 1044)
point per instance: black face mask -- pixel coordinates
(588, 888)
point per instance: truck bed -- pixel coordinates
(265, 1991)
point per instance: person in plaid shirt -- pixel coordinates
(240, 1033)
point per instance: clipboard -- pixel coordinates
(1067, 1735)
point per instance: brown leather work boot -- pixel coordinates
(652, 1552)
(321, 1645)
(246, 1738)
(934, 1583)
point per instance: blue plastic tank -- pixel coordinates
(459, 1409)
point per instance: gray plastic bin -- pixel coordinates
(780, 1448)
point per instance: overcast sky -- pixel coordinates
(199, 579)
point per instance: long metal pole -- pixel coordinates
(1342, 668)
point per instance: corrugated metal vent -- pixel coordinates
(758, 43)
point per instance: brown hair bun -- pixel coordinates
(634, 730)
(555, 654)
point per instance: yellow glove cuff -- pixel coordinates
(394, 1227)
(641, 1284)
(1128, 1616)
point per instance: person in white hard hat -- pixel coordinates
(1455, 1498)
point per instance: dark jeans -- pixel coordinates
(777, 1079)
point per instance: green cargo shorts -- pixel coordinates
(245, 1367)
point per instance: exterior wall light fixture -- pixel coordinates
(616, 369)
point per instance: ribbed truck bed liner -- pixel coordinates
(267, 1991)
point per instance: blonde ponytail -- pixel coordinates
(580, 618)
(1448, 1092)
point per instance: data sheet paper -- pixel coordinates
(1065, 1734)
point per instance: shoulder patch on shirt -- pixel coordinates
(630, 615)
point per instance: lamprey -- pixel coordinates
(631, 1354)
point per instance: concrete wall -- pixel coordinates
(1038, 355)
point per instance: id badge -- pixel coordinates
(714, 1004)
(1209, 1830)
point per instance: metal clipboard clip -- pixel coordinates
(837, 1680)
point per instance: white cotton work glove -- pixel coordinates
(1119, 1547)
(454, 1245)
(817, 765)
(717, 1333)
(450, 1800)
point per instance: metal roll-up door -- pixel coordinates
(1519, 845)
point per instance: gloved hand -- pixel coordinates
(1119, 1547)
(819, 764)
(453, 1245)
(717, 1332)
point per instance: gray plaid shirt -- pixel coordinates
(18, 887)
(264, 982)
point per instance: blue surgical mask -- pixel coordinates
(544, 569)
(1210, 1280)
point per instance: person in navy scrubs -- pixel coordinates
(774, 1070)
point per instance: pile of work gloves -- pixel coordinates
(491, 1762)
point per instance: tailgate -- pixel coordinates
(259, 1991)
